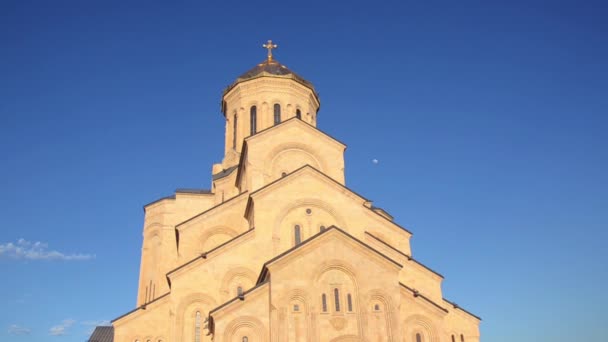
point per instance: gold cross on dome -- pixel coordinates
(269, 46)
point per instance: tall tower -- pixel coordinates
(279, 249)
(262, 97)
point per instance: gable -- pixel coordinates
(281, 149)
(331, 244)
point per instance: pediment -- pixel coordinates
(331, 246)
(304, 132)
(299, 182)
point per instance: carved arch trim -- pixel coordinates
(208, 233)
(275, 153)
(234, 273)
(249, 322)
(307, 202)
(200, 299)
(417, 322)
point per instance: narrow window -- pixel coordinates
(298, 114)
(297, 236)
(245, 339)
(337, 299)
(418, 338)
(277, 113)
(239, 291)
(253, 120)
(461, 338)
(234, 132)
(296, 307)
(322, 228)
(349, 302)
(324, 302)
(453, 338)
(376, 307)
(197, 327)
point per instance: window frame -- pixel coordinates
(277, 113)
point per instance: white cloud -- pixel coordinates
(375, 161)
(96, 323)
(14, 329)
(61, 329)
(28, 250)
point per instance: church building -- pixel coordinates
(279, 249)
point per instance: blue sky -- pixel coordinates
(488, 120)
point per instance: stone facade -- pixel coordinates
(280, 249)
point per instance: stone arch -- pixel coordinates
(388, 311)
(419, 324)
(274, 101)
(300, 295)
(280, 226)
(298, 322)
(271, 156)
(213, 237)
(335, 264)
(344, 289)
(250, 323)
(231, 275)
(188, 306)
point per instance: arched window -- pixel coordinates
(197, 327)
(297, 234)
(253, 126)
(239, 291)
(349, 302)
(322, 228)
(277, 113)
(245, 339)
(376, 307)
(324, 302)
(453, 338)
(234, 132)
(418, 338)
(337, 298)
(461, 338)
(298, 114)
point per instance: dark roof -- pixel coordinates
(224, 173)
(378, 210)
(271, 68)
(409, 257)
(418, 294)
(182, 190)
(193, 191)
(158, 200)
(102, 334)
(456, 306)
